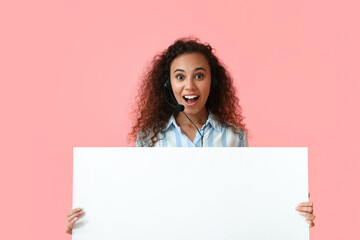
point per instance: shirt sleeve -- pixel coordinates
(141, 143)
(137, 143)
(245, 140)
(242, 139)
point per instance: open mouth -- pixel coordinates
(190, 99)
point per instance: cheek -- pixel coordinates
(176, 90)
(206, 89)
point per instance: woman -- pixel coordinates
(187, 99)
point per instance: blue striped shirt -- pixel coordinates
(215, 135)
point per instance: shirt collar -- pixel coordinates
(211, 120)
(214, 123)
(170, 122)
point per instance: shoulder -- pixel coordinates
(141, 140)
(235, 136)
(238, 133)
(148, 139)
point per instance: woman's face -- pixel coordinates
(191, 80)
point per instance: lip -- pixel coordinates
(191, 94)
(191, 104)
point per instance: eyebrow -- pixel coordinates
(181, 70)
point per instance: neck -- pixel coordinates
(199, 119)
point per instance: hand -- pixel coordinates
(306, 209)
(73, 215)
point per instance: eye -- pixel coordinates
(199, 74)
(181, 77)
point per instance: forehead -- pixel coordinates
(189, 61)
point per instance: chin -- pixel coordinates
(192, 111)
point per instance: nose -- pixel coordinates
(189, 84)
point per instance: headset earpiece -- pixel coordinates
(166, 84)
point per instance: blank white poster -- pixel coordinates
(190, 193)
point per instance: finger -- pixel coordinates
(78, 214)
(72, 211)
(306, 204)
(311, 223)
(304, 209)
(69, 231)
(308, 216)
(71, 224)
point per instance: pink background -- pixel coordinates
(69, 72)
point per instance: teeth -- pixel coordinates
(190, 97)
